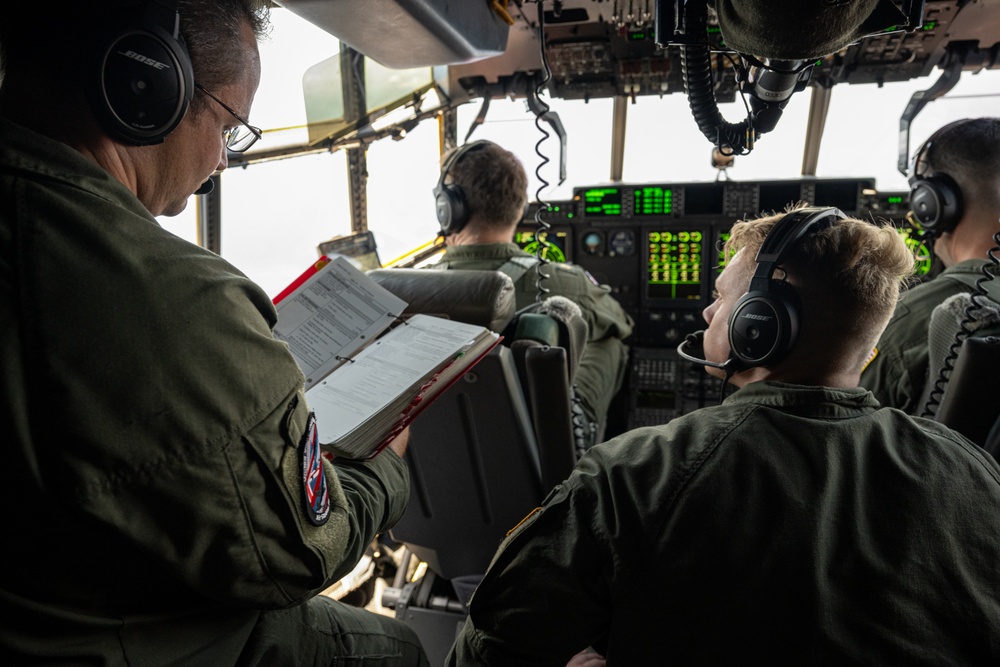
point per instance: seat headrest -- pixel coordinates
(483, 298)
(553, 321)
(946, 320)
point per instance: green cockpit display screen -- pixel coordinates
(553, 247)
(674, 264)
(602, 202)
(653, 200)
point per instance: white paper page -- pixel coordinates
(331, 315)
(396, 361)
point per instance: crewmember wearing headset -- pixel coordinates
(955, 199)
(795, 523)
(164, 499)
(480, 198)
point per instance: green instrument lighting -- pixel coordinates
(603, 201)
(549, 246)
(653, 200)
(922, 257)
(673, 266)
(895, 200)
(723, 237)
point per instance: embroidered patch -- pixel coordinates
(315, 492)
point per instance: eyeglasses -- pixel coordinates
(241, 137)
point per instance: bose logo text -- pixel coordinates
(761, 318)
(143, 59)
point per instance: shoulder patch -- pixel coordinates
(316, 495)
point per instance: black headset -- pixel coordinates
(143, 80)
(935, 201)
(764, 323)
(449, 200)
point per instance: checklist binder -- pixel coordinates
(368, 371)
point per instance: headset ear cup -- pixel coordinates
(936, 203)
(144, 84)
(762, 328)
(452, 211)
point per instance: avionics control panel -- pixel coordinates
(658, 247)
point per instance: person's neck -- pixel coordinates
(70, 123)
(972, 246)
(799, 374)
(972, 239)
(40, 107)
(472, 235)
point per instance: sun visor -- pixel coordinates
(402, 34)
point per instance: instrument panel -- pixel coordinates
(658, 247)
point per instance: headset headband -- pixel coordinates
(786, 233)
(453, 158)
(919, 156)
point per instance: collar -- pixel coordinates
(484, 251)
(974, 265)
(805, 400)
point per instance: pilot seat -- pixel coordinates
(964, 357)
(487, 451)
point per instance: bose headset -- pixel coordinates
(143, 81)
(449, 200)
(935, 201)
(764, 323)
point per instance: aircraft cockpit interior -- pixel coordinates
(708, 112)
(655, 243)
(658, 247)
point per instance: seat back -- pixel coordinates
(477, 464)
(964, 359)
(474, 470)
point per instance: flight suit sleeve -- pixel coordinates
(194, 444)
(604, 362)
(545, 596)
(605, 316)
(548, 593)
(600, 374)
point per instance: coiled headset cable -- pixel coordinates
(977, 302)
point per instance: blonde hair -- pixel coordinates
(847, 277)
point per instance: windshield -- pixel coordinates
(276, 213)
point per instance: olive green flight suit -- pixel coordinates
(790, 525)
(898, 371)
(155, 441)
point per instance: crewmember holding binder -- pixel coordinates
(165, 499)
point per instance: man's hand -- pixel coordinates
(586, 658)
(400, 442)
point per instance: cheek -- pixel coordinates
(717, 335)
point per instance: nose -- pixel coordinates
(223, 158)
(708, 314)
